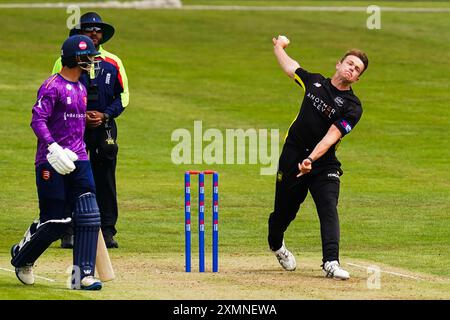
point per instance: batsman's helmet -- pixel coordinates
(78, 50)
(93, 19)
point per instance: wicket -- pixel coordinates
(201, 219)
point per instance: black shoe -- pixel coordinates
(110, 242)
(67, 241)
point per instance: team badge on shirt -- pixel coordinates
(339, 101)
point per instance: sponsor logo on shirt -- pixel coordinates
(346, 126)
(321, 105)
(318, 85)
(74, 115)
(108, 78)
(69, 100)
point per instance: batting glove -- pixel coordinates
(60, 159)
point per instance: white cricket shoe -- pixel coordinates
(332, 269)
(285, 258)
(25, 274)
(90, 283)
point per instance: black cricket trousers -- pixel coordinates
(323, 184)
(102, 147)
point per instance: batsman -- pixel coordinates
(329, 111)
(63, 172)
(108, 96)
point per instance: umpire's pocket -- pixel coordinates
(108, 148)
(108, 151)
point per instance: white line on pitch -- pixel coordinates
(389, 272)
(39, 277)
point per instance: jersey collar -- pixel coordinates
(102, 52)
(337, 90)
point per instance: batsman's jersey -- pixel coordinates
(59, 115)
(323, 105)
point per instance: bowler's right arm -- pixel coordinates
(287, 64)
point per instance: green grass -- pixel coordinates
(385, 3)
(218, 67)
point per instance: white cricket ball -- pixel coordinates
(284, 39)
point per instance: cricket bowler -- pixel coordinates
(329, 111)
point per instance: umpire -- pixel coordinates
(107, 87)
(329, 111)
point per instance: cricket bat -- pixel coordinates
(103, 264)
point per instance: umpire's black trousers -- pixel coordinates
(323, 184)
(102, 147)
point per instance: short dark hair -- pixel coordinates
(360, 54)
(70, 62)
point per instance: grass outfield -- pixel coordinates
(218, 67)
(385, 3)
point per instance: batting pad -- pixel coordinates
(87, 223)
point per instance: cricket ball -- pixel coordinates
(284, 39)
